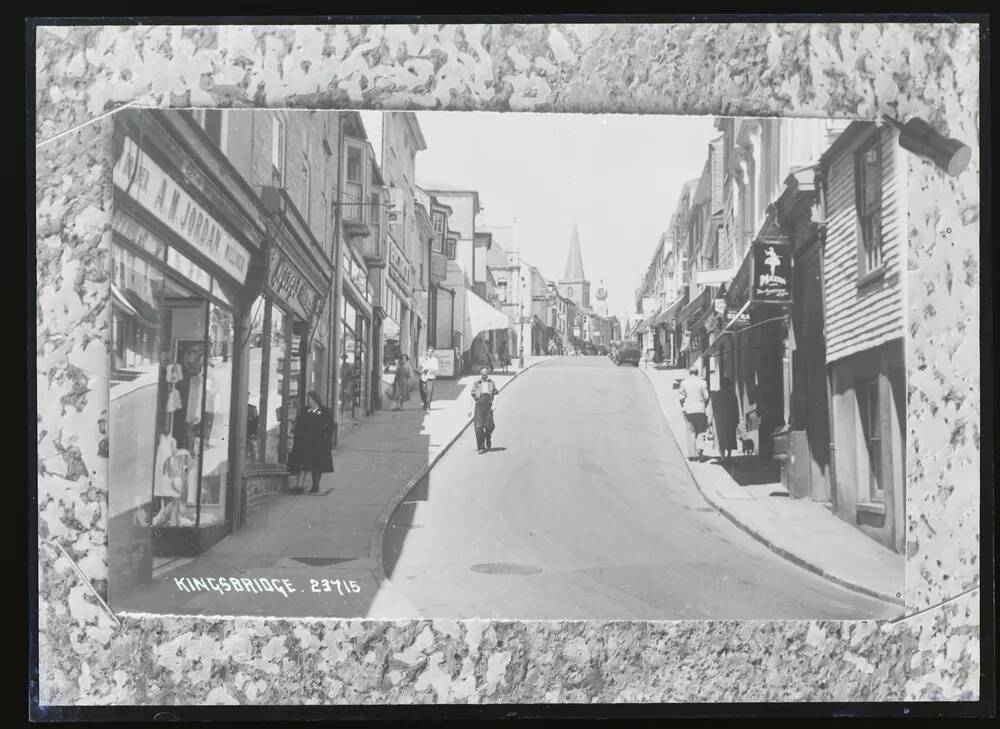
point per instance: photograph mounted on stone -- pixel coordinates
(357, 370)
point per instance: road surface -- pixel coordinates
(584, 509)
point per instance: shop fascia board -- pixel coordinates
(299, 243)
(179, 142)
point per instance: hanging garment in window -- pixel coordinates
(166, 448)
(175, 373)
(193, 414)
(174, 401)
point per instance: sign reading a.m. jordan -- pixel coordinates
(771, 276)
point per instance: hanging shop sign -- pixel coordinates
(156, 191)
(771, 280)
(398, 264)
(288, 285)
(720, 306)
(734, 315)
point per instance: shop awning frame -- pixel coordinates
(480, 316)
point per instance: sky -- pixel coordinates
(617, 177)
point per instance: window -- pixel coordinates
(450, 249)
(213, 122)
(354, 184)
(278, 149)
(502, 294)
(437, 242)
(870, 411)
(354, 165)
(306, 192)
(868, 190)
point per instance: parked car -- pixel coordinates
(628, 353)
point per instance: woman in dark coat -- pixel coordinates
(313, 441)
(402, 386)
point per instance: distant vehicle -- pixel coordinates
(629, 352)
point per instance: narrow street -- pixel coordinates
(585, 509)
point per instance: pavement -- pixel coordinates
(305, 555)
(586, 509)
(751, 495)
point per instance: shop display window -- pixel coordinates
(276, 394)
(169, 406)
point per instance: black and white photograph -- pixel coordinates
(509, 367)
(596, 367)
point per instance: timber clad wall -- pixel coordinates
(862, 318)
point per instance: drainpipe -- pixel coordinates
(338, 282)
(830, 402)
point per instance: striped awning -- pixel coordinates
(670, 312)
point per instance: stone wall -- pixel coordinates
(82, 73)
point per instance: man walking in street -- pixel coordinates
(483, 393)
(694, 399)
(428, 370)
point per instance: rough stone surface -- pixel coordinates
(764, 69)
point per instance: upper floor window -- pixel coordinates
(868, 192)
(354, 190)
(502, 293)
(437, 242)
(450, 248)
(213, 122)
(306, 191)
(278, 149)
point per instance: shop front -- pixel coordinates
(356, 320)
(287, 349)
(185, 242)
(750, 346)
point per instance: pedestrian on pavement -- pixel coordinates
(727, 416)
(504, 356)
(402, 387)
(313, 442)
(428, 371)
(484, 391)
(694, 398)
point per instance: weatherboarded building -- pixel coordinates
(862, 184)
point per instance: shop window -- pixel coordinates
(869, 402)
(212, 497)
(277, 385)
(868, 193)
(257, 386)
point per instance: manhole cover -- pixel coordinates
(322, 561)
(505, 568)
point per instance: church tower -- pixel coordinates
(573, 284)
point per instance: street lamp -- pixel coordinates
(520, 341)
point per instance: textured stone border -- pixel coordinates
(378, 530)
(803, 69)
(756, 534)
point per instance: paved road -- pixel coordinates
(584, 509)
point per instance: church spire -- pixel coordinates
(574, 259)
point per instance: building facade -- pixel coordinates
(863, 207)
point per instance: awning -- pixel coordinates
(481, 317)
(122, 301)
(696, 307)
(646, 323)
(670, 312)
